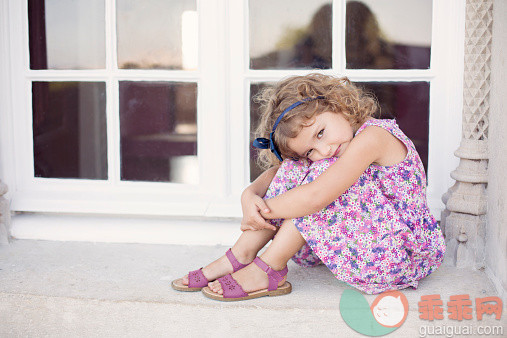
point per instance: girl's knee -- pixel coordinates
(293, 170)
(323, 164)
(290, 174)
(317, 168)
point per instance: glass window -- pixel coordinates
(66, 34)
(388, 34)
(157, 34)
(69, 130)
(290, 34)
(158, 124)
(379, 34)
(409, 104)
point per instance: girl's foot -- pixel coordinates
(250, 278)
(221, 266)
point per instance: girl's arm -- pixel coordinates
(252, 202)
(367, 147)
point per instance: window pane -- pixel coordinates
(290, 34)
(158, 123)
(69, 129)
(157, 34)
(67, 34)
(408, 103)
(388, 34)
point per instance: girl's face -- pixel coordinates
(328, 136)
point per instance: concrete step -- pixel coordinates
(82, 289)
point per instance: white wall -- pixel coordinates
(496, 233)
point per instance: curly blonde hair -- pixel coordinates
(339, 96)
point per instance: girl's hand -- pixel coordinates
(252, 205)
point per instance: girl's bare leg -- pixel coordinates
(245, 249)
(287, 242)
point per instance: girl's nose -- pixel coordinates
(325, 151)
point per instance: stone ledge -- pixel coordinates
(100, 289)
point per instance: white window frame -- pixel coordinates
(445, 76)
(223, 114)
(29, 193)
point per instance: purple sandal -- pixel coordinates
(232, 291)
(197, 280)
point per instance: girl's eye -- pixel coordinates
(319, 135)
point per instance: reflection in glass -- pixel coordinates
(158, 125)
(66, 34)
(255, 117)
(407, 102)
(393, 34)
(69, 130)
(157, 34)
(290, 34)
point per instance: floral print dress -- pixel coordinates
(379, 234)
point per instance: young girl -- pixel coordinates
(342, 188)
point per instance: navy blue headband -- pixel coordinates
(264, 143)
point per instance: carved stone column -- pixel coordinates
(464, 219)
(5, 215)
